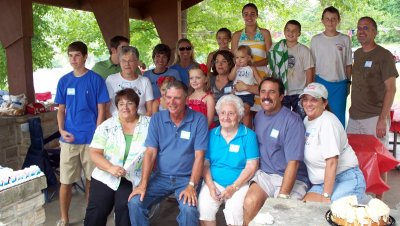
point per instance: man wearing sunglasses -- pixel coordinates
(373, 86)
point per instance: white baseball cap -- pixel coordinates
(316, 90)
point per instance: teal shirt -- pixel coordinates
(106, 68)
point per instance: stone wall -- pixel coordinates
(15, 137)
(23, 204)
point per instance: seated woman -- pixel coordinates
(331, 162)
(117, 151)
(231, 161)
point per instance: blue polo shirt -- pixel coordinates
(177, 144)
(281, 139)
(152, 76)
(227, 160)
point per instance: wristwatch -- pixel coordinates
(191, 183)
(326, 195)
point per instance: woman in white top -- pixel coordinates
(117, 151)
(331, 162)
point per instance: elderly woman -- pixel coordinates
(331, 162)
(117, 151)
(231, 161)
(128, 78)
(161, 56)
(184, 59)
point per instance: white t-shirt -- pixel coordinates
(245, 74)
(331, 56)
(299, 61)
(326, 138)
(141, 85)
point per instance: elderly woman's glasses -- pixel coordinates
(230, 114)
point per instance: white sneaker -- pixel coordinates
(62, 223)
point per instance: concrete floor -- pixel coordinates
(169, 208)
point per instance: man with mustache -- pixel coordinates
(280, 134)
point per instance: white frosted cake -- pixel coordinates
(347, 212)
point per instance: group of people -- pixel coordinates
(189, 131)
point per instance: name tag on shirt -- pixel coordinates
(71, 91)
(185, 135)
(274, 133)
(228, 89)
(234, 148)
(368, 63)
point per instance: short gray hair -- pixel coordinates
(129, 50)
(231, 99)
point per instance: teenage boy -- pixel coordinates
(292, 62)
(81, 97)
(332, 54)
(111, 65)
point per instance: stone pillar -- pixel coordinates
(17, 30)
(112, 17)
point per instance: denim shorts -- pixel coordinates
(247, 99)
(348, 182)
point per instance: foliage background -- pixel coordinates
(55, 28)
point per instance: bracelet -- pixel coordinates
(235, 186)
(283, 196)
(191, 183)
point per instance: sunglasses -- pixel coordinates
(185, 48)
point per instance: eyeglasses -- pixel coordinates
(362, 28)
(230, 114)
(128, 104)
(128, 62)
(187, 48)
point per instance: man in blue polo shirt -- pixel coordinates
(177, 140)
(280, 134)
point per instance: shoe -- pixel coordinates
(62, 223)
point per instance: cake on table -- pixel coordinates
(347, 212)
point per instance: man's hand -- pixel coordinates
(189, 195)
(117, 171)
(68, 137)
(381, 128)
(139, 190)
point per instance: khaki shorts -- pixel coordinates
(368, 126)
(271, 184)
(74, 158)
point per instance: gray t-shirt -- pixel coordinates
(281, 139)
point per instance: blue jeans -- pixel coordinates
(349, 182)
(159, 187)
(293, 103)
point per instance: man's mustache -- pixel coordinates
(266, 99)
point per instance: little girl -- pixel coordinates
(159, 104)
(200, 99)
(247, 74)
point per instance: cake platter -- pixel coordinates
(328, 217)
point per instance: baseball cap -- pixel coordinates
(316, 90)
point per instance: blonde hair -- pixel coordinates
(177, 59)
(247, 50)
(207, 85)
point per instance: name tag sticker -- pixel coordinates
(274, 133)
(228, 89)
(185, 135)
(71, 91)
(368, 63)
(234, 148)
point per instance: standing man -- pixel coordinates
(373, 85)
(177, 140)
(111, 65)
(81, 97)
(280, 133)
